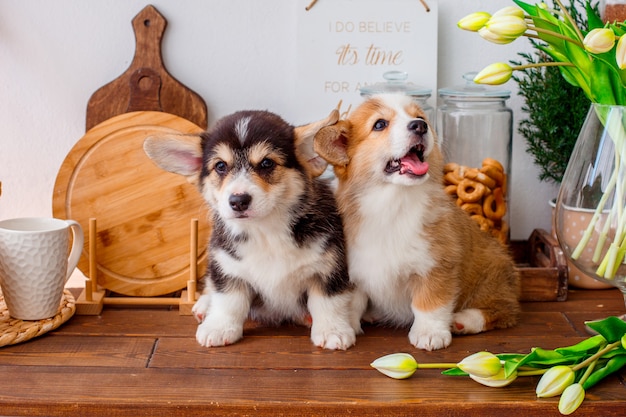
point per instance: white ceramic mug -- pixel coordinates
(34, 264)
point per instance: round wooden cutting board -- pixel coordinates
(143, 213)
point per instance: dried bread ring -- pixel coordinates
(493, 162)
(472, 208)
(481, 177)
(494, 206)
(450, 166)
(451, 189)
(484, 223)
(494, 173)
(470, 191)
(452, 177)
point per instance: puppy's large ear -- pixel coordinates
(304, 144)
(331, 143)
(180, 154)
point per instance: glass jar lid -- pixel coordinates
(396, 82)
(471, 90)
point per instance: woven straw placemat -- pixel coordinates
(14, 331)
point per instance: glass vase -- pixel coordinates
(590, 213)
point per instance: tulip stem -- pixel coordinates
(571, 20)
(588, 372)
(543, 64)
(593, 358)
(532, 373)
(551, 33)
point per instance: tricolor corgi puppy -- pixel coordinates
(416, 258)
(276, 252)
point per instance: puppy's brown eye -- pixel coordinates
(267, 164)
(380, 124)
(221, 167)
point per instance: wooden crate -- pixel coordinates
(542, 267)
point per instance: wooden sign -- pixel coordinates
(343, 45)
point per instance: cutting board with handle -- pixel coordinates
(143, 214)
(146, 84)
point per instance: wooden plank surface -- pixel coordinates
(145, 361)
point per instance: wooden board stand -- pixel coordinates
(92, 299)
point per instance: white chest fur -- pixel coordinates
(388, 247)
(273, 265)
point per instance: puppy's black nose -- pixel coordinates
(240, 202)
(418, 126)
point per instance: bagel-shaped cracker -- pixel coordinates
(494, 206)
(470, 191)
(472, 208)
(452, 177)
(494, 173)
(451, 189)
(481, 177)
(484, 224)
(450, 166)
(493, 162)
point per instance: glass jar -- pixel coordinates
(396, 82)
(475, 128)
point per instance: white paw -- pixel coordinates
(469, 321)
(430, 339)
(333, 338)
(201, 307)
(218, 333)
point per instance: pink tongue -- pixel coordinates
(413, 165)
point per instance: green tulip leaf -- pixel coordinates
(611, 328)
(589, 345)
(593, 20)
(454, 372)
(530, 9)
(613, 365)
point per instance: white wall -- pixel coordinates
(55, 53)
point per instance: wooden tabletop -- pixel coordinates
(146, 362)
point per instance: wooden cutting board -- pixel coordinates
(143, 213)
(146, 84)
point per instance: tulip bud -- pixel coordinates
(507, 26)
(509, 11)
(396, 365)
(481, 364)
(599, 40)
(490, 36)
(496, 381)
(554, 381)
(571, 399)
(474, 21)
(494, 74)
(620, 57)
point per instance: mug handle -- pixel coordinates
(77, 247)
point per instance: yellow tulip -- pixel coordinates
(620, 57)
(474, 21)
(481, 364)
(496, 381)
(507, 26)
(509, 11)
(599, 40)
(571, 399)
(494, 74)
(396, 365)
(490, 36)
(554, 381)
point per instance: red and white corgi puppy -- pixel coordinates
(276, 252)
(416, 258)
